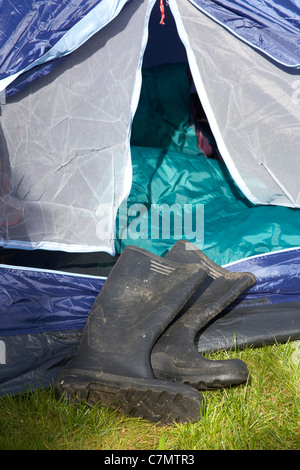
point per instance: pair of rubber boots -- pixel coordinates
(137, 351)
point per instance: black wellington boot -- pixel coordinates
(141, 296)
(174, 356)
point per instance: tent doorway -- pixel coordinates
(177, 165)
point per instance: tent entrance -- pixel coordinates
(164, 47)
(179, 177)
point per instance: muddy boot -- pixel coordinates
(140, 297)
(174, 356)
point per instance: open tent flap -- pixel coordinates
(36, 35)
(66, 140)
(249, 103)
(269, 27)
(177, 192)
(61, 187)
(66, 168)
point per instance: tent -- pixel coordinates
(97, 137)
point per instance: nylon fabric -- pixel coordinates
(66, 138)
(251, 104)
(34, 361)
(41, 32)
(35, 301)
(277, 273)
(44, 312)
(266, 313)
(270, 26)
(233, 227)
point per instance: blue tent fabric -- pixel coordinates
(37, 300)
(265, 313)
(41, 320)
(42, 32)
(277, 279)
(44, 312)
(34, 28)
(35, 33)
(34, 361)
(277, 273)
(271, 26)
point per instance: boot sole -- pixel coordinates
(151, 399)
(205, 382)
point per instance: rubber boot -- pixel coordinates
(140, 297)
(174, 356)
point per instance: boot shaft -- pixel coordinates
(141, 296)
(212, 296)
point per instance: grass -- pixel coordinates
(261, 415)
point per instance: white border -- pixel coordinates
(133, 107)
(207, 107)
(49, 271)
(261, 255)
(52, 246)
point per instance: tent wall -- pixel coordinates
(41, 321)
(265, 313)
(249, 104)
(44, 312)
(271, 27)
(66, 138)
(33, 34)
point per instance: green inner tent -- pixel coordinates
(174, 180)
